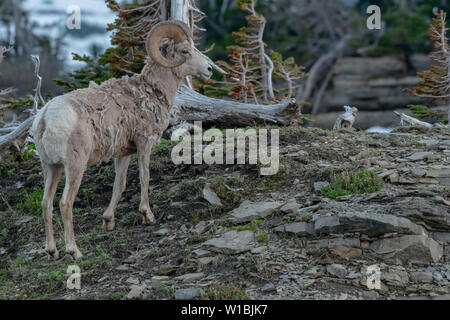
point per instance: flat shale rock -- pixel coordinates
(188, 294)
(372, 224)
(136, 291)
(249, 211)
(434, 215)
(410, 248)
(297, 228)
(232, 242)
(210, 196)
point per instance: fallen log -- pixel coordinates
(415, 122)
(192, 106)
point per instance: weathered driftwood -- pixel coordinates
(415, 122)
(346, 120)
(192, 106)
(17, 136)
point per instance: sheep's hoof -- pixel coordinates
(148, 218)
(108, 225)
(74, 253)
(53, 254)
(147, 215)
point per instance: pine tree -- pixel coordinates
(250, 69)
(435, 83)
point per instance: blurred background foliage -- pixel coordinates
(294, 29)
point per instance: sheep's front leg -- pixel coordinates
(120, 182)
(144, 175)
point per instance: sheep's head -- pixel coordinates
(170, 45)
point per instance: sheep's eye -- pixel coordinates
(185, 51)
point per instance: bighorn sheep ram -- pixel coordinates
(113, 120)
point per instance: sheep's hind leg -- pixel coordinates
(144, 176)
(120, 181)
(52, 174)
(74, 175)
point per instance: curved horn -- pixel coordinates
(177, 31)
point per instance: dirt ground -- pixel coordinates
(158, 261)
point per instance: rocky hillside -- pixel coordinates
(226, 232)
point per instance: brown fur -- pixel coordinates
(112, 120)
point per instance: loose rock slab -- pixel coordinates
(232, 242)
(249, 211)
(210, 196)
(188, 294)
(371, 224)
(297, 228)
(136, 291)
(410, 248)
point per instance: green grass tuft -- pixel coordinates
(347, 183)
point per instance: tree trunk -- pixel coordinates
(192, 106)
(316, 70)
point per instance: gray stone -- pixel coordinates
(319, 185)
(439, 279)
(201, 227)
(337, 270)
(206, 260)
(345, 252)
(368, 223)
(326, 223)
(395, 277)
(161, 232)
(123, 267)
(297, 228)
(22, 220)
(410, 248)
(353, 275)
(418, 156)
(268, 288)
(259, 250)
(427, 211)
(442, 236)
(201, 253)
(136, 291)
(188, 294)
(421, 277)
(439, 172)
(418, 172)
(132, 281)
(232, 242)
(429, 143)
(290, 206)
(210, 196)
(190, 277)
(2, 251)
(249, 211)
(158, 281)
